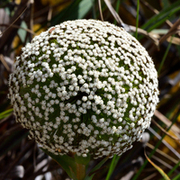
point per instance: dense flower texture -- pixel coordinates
(86, 87)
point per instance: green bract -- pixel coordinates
(86, 87)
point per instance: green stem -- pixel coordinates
(165, 55)
(80, 171)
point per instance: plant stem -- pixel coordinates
(80, 171)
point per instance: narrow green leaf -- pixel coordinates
(92, 172)
(117, 8)
(164, 57)
(5, 113)
(162, 16)
(177, 177)
(112, 166)
(174, 168)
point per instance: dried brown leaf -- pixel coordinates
(173, 30)
(129, 28)
(157, 167)
(100, 10)
(166, 121)
(162, 129)
(4, 62)
(163, 154)
(174, 40)
(114, 13)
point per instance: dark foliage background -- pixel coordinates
(158, 32)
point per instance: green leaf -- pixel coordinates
(117, 9)
(82, 160)
(164, 57)
(160, 31)
(112, 166)
(6, 113)
(76, 10)
(177, 177)
(173, 169)
(162, 16)
(165, 3)
(84, 7)
(93, 171)
(22, 32)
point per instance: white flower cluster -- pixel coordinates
(86, 87)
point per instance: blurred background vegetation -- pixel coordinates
(156, 24)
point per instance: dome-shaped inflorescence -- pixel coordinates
(86, 87)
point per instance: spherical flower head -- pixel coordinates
(86, 87)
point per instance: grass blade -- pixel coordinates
(112, 166)
(6, 113)
(177, 177)
(117, 8)
(93, 171)
(163, 15)
(164, 57)
(174, 168)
